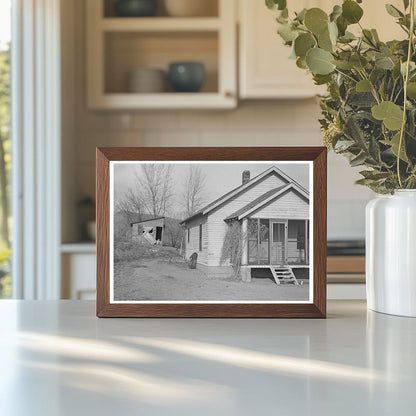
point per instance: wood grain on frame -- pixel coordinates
(212, 310)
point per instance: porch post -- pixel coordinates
(244, 228)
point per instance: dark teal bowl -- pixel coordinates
(135, 8)
(187, 76)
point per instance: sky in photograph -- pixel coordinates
(220, 178)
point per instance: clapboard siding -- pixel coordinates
(193, 245)
(216, 224)
(289, 205)
(217, 228)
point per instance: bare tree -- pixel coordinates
(154, 188)
(193, 196)
(130, 204)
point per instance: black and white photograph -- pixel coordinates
(211, 232)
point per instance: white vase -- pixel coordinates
(391, 253)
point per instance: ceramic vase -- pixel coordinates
(391, 253)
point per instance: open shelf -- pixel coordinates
(211, 9)
(119, 45)
(160, 24)
(127, 51)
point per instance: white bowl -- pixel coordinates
(147, 80)
(191, 8)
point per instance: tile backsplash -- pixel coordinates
(258, 123)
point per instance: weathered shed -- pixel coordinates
(153, 227)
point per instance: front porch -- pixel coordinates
(276, 242)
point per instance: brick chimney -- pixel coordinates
(245, 176)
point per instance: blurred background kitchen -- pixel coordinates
(188, 73)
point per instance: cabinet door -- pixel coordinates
(265, 68)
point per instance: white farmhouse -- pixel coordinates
(273, 211)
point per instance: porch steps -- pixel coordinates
(283, 275)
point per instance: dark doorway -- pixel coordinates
(159, 233)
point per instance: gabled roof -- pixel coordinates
(265, 199)
(208, 208)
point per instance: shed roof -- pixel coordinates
(149, 219)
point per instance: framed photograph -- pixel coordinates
(211, 232)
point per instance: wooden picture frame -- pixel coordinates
(275, 238)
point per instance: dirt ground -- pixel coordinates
(159, 273)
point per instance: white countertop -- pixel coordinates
(57, 358)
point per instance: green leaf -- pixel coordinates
(301, 63)
(276, 4)
(384, 62)
(336, 12)
(316, 20)
(368, 36)
(325, 42)
(393, 11)
(363, 86)
(412, 67)
(411, 90)
(343, 145)
(354, 132)
(287, 33)
(374, 175)
(303, 43)
(347, 37)
(375, 35)
(358, 160)
(333, 32)
(321, 79)
(320, 61)
(344, 65)
(394, 144)
(301, 15)
(351, 11)
(358, 61)
(388, 112)
(342, 25)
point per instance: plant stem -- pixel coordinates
(406, 80)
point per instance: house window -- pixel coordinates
(200, 237)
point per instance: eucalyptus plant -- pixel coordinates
(369, 111)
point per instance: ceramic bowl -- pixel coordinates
(186, 76)
(147, 80)
(135, 8)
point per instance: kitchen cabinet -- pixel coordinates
(265, 70)
(78, 262)
(118, 45)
